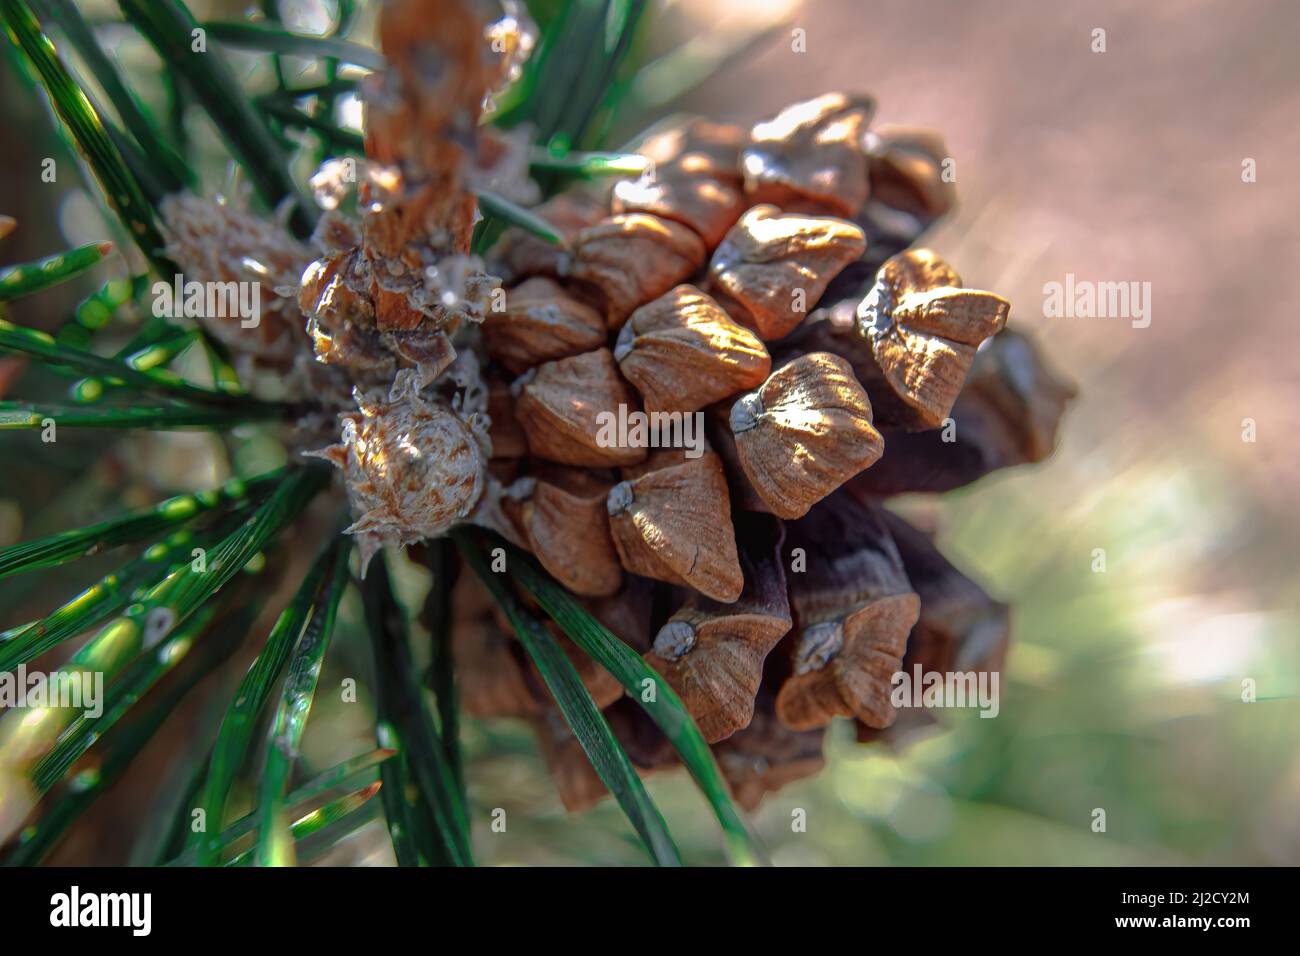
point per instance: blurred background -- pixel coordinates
(1123, 688)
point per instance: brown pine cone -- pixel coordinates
(755, 296)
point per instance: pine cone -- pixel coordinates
(756, 570)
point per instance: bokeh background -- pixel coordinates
(1123, 688)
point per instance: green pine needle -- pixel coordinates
(254, 690)
(65, 546)
(431, 824)
(667, 710)
(32, 277)
(97, 309)
(588, 164)
(160, 350)
(345, 774)
(290, 94)
(97, 603)
(293, 117)
(516, 215)
(45, 348)
(583, 717)
(275, 847)
(119, 186)
(572, 73)
(170, 27)
(121, 747)
(339, 775)
(404, 809)
(178, 595)
(439, 557)
(164, 159)
(119, 697)
(253, 36)
(341, 817)
(27, 415)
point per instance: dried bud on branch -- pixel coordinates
(414, 467)
(215, 242)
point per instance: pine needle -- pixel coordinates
(119, 697)
(334, 821)
(589, 726)
(170, 27)
(32, 277)
(666, 710)
(171, 166)
(104, 598)
(119, 186)
(275, 846)
(253, 36)
(254, 690)
(345, 774)
(45, 348)
(121, 747)
(517, 215)
(588, 164)
(432, 826)
(27, 415)
(65, 546)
